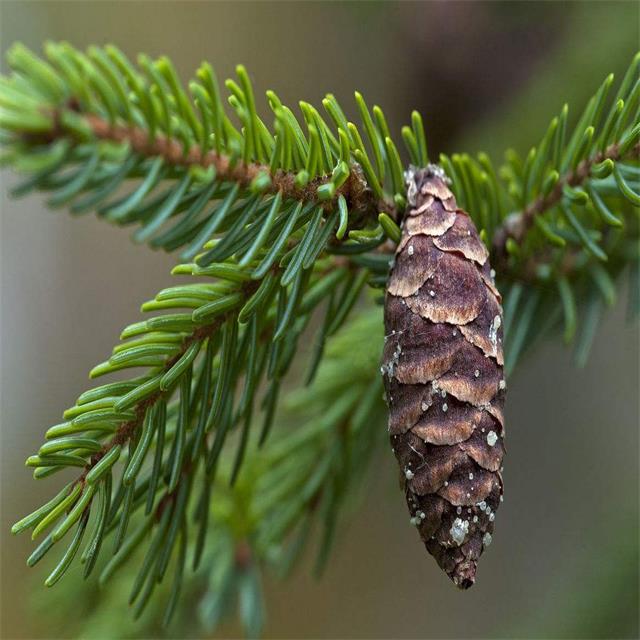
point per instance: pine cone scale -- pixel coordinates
(454, 294)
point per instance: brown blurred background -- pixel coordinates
(485, 76)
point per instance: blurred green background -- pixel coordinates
(485, 75)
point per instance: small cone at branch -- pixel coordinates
(442, 368)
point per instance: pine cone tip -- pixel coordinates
(464, 575)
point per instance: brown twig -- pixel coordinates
(359, 197)
(518, 224)
(127, 429)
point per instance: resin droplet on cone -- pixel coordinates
(442, 368)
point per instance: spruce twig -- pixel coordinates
(354, 189)
(516, 225)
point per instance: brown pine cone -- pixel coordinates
(442, 368)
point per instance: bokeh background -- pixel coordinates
(485, 75)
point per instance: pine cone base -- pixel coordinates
(442, 369)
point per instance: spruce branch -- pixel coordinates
(517, 225)
(113, 122)
(299, 481)
(225, 168)
(237, 329)
(276, 223)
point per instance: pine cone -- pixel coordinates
(442, 368)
